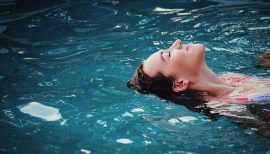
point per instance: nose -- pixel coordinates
(177, 44)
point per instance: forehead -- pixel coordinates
(152, 65)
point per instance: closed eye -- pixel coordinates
(169, 53)
(162, 56)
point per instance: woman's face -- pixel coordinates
(178, 61)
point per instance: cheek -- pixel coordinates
(179, 63)
(198, 51)
(185, 63)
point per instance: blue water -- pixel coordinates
(64, 67)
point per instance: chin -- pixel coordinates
(199, 47)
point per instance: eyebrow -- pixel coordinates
(162, 56)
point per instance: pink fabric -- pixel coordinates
(237, 80)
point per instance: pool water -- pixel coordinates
(64, 67)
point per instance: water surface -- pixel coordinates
(64, 67)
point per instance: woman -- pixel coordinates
(181, 69)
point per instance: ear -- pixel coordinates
(180, 85)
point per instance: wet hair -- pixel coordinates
(159, 84)
(264, 60)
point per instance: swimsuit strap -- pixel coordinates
(264, 97)
(259, 98)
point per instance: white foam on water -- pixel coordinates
(264, 18)
(85, 151)
(197, 25)
(160, 10)
(220, 49)
(116, 119)
(187, 118)
(124, 141)
(127, 114)
(64, 122)
(259, 28)
(137, 110)
(89, 115)
(147, 142)
(41, 111)
(173, 121)
(102, 122)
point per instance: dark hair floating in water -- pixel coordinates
(264, 59)
(159, 85)
(162, 87)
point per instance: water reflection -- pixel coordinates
(252, 115)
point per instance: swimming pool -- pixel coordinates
(64, 67)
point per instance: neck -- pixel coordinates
(209, 82)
